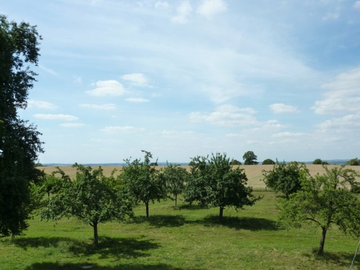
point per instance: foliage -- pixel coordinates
(324, 200)
(215, 183)
(19, 141)
(90, 197)
(353, 162)
(250, 158)
(268, 161)
(142, 181)
(235, 162)
(318, 161)
(285, 178)
(175, 178)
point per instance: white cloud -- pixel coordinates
(136, 78)
(162, 5)
(77, 79)
(227, 115)
(105, 107)
(209, 8)
(32, 103)
(331, 16)
(342, 124)
(357, 5)
(283, 108)
(121, 129)
(107, 88)
(286, 135)
(183, 12)
(342, 96)
(137, 100)
(63, 117)
(49, 70)
(72, 125)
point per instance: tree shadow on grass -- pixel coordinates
(107, 247)
(241, 223)
(91, 266)
(162, 220)
(191, 207)
(341, 259)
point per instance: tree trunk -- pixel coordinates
(12, 237)
(147, 209)
(175, 200)
(221, 213)
(322, 240)
(96, 237)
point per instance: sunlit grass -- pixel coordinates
(186, 237)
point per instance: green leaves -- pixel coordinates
(142, 181)
(285, 178)
(91, 197)
(324, 200)
(19, 141)
(214, 182)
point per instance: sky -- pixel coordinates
(186, 78)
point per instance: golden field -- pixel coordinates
(253, 172)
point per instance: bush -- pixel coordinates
(268, 161)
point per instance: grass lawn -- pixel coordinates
(182, 238)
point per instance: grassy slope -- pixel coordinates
(184, 238)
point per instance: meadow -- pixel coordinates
(185, 237)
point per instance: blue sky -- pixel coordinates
(185, 78)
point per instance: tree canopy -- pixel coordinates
(250, 158)
(90, 197)
(324, 200)
(268, 161)
(174, 178)
(285, 178)
(142, 181)
(353, 162)
(215, 183)
(19, 140)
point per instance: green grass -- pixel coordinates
(188, 237)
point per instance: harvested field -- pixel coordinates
(253, 172)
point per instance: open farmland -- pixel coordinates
(253, 172)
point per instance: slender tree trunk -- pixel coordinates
(322, 240)
(221, 214)
(96, 237)
(147, 209)
(12, 237)
(175, 200)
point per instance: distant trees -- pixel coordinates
(353, 162)
(250, 158)
(142, 181)
(19, 141)
(285, 178)
(324, 200)
(90, 197)
(235, 162)
(318, 161)
(268, 161)
(215, 183)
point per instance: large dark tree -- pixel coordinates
(19, 140)
(214, 182)
(250, 158)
